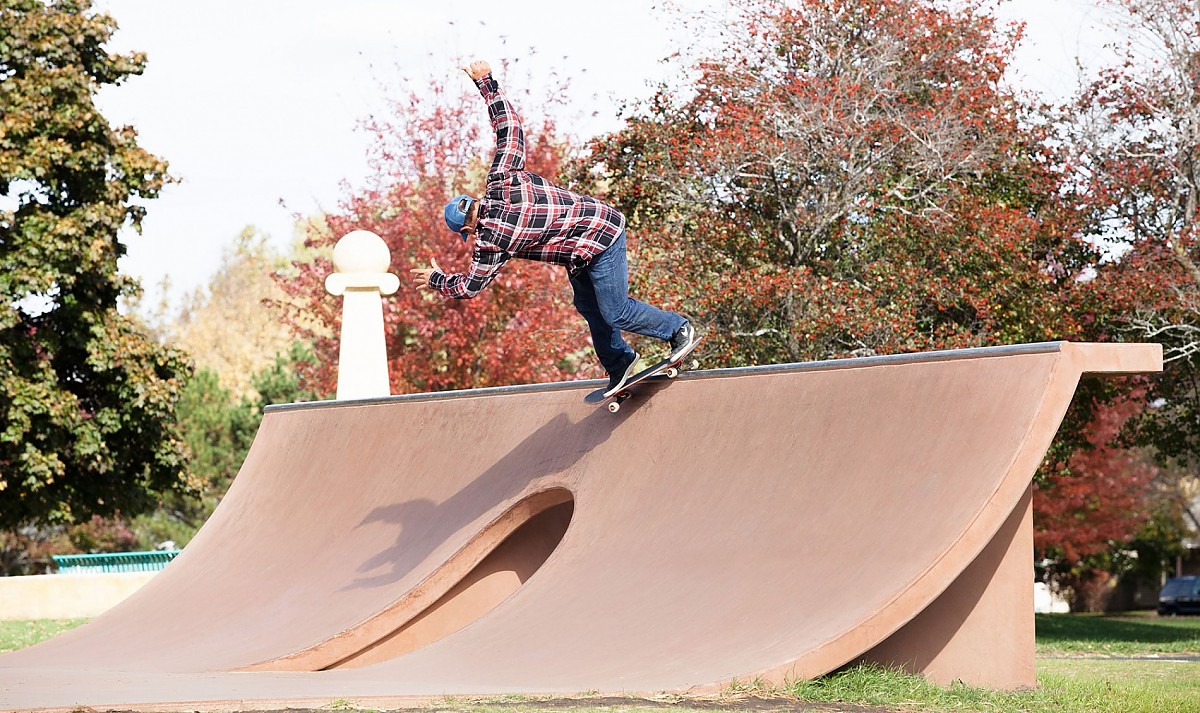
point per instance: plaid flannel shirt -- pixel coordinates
(523, 215)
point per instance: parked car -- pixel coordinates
(1180, 595)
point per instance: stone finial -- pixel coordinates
(361, 260)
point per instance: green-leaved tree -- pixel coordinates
(87, 399)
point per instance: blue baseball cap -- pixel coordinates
(456, 214)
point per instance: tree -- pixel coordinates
(436, 144)
(218, 427)
(1135, 134)
(848, 178)
(233, 326)
(1169, 520)
(86, 398)
(1095, 505)
(218, 431)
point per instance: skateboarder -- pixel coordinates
(523, 215)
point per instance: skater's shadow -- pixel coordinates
(422, 525)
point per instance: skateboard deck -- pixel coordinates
(666, 368)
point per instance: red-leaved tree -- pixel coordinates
(434, 144)
(1094, 502)
(1136, 135)
(848, 177)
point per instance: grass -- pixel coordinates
(1086, 663)
(1140, 634)
(19, 634)
(1064, 686)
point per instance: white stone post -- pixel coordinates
(361, 260)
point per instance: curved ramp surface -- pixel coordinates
(775, 521)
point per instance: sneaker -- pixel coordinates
(681, 340)
(617, 379)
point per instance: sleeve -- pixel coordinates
(485, 267)
(510, 139)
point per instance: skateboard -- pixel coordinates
(668, 368)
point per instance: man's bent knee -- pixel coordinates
(621, 316)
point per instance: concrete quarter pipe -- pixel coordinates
(774, 522)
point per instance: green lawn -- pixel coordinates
(1086, 663)
(19, 634)
(1064, 686)
(1141, 634)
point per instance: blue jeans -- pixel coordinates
(602, 297)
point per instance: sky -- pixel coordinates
(257, 105)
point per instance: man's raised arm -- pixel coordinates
(510, 139)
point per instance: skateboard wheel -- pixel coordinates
(672, 372)
(614, 407)
(695, 364)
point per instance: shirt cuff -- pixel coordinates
(487, 83)
(438, 280)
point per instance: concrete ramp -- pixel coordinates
(776, 522)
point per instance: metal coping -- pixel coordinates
(849, 363)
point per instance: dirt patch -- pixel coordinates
(598, 704)
(615, 704)
(603, 703)
(750, 704)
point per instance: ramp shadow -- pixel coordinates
(473, 593)
(423, 525)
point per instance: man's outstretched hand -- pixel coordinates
(421, 277)
(478, 69)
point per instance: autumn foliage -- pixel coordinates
(1135, 133)
(437, 144)
(848, 178)
(1093, 502)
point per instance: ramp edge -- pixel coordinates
(1106, 358)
